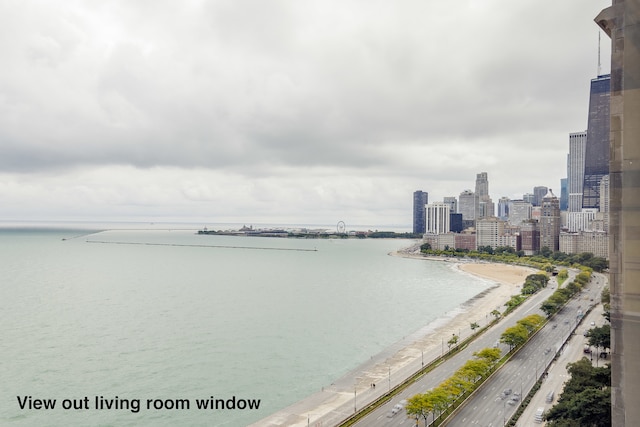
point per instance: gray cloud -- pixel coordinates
(425, 93)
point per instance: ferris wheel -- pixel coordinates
(341, 227)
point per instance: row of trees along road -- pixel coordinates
(465, 380)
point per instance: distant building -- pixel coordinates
(550, 222)
(564, 194)
(519, 210)
(529, 198)
(468, 206)
(437, 218)
(604, 201)
(538, 195)
(596, 159)
(530, 237)
(455, 222)
(449, 241)
(594, 242)
(575, 169)
(420, 200)
(503, 208)
(488, 232)
(486, 206)
(452, 202)
(581, 221)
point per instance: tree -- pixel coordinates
(600, 336)
(531, 322)
(474, 370)
(491, 355)
(514, 336)
(549, 307)
(474, 326)
(586, 398)
(495, 313)
(452, 341)
(419, 406)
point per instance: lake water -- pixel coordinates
(167, 317)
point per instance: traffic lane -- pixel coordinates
(523, 369)
(379, 416)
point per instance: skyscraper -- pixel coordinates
(564, 194)
(538, 195)
(468, 207)
(452, 202)
(503, 208)
(486, 207)
(550, 222)
(575, 169)
(482, 184)
(596, 159)
(420, 200)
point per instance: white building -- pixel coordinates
(575, 169)
(438, 218)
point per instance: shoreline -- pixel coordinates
(399, 361)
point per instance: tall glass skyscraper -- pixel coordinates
(420, 200)
(596, 159)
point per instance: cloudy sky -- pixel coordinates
(285, 111)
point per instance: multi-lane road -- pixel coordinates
(485, 407)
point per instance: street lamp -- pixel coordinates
(389, 377)
(354, 399)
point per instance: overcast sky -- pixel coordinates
(274, 111)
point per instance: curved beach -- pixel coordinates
(397, 363)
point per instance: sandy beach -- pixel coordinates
(399, 362)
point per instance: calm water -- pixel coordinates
(171, 315)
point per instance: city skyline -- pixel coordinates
(296, 113)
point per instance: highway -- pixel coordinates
(486, 407)
(521, 377)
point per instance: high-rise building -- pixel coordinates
(621, 22)
(455, 223)
(538, 195)
(482, 184)
(519, 211)
(420, 200)
(528, 197)
(452, 202)
(564, 194)
(488, 232)
(575, 169)
(596, 159)
(486, 207)
(604, 201)
(503, 208)
(468, 205)
(438, 219)
(550, 222)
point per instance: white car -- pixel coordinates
(396, 408)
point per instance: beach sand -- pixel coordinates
(399, 362)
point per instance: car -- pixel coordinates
(396, 408)
(593, 323)
(507, 392)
